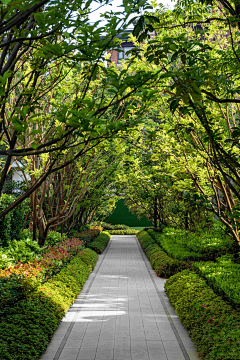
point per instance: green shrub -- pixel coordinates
(85, 227)
(107, 226)
(88, 256)
(183, 245)
(12, 223)
(23, 250)
(11, 290)
(5, 260)
(100, 242)
(123, 232)
(168, 240)
(65, 286)
(163, 264)
(145, 240)
(212, 323)
(54, 237)
(120, 227)
(223, 276)
(27, 327)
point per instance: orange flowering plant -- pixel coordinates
(26, 277)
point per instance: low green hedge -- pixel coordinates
(168, 241)
(108, 227)
(123, 232)
(223, 276)
(212, 323)
(100, 242)
(27, 328)
(88, 256)
(163, 264)
(184, 245)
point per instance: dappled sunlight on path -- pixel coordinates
(121, 314)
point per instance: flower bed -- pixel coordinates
(19, 280)
(27, 328)
(212, 323)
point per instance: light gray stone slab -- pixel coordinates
(119, 314)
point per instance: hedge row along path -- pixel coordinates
(122, 313)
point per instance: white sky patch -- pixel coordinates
(115, 6)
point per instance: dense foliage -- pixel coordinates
(183, 245)
(161, 130)
(212, 323)
(223, 276)
(37, 316)
(164, 265)
(100, 242)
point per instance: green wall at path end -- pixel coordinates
(121, 215)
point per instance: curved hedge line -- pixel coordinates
(163, 264)
(100, 242)
(212, 323)
(27, 328)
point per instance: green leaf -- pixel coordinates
(34, 145)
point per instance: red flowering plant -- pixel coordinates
(30, 275)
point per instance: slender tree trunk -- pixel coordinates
(34, 202)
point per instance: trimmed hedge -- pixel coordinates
(88, 256)
(27, 328)
(108, 227)
(123, 232)
(211, 322)
(163, 264)
(168, 241)
(183, 245)
(100, 242)
(223, 276)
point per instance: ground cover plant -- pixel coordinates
(100, 243)
(183, 245)
(21, 278)
(211, 322)
(223, 276)
(27, 327)
(164, 265)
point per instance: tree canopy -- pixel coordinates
(161, 130)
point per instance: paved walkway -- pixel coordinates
(122, 313)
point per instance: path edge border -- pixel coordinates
(179, 340)
(72, 322)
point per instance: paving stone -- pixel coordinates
(86, 354)
(121, 317)
(69, 354)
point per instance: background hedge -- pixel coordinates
(122, 215)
